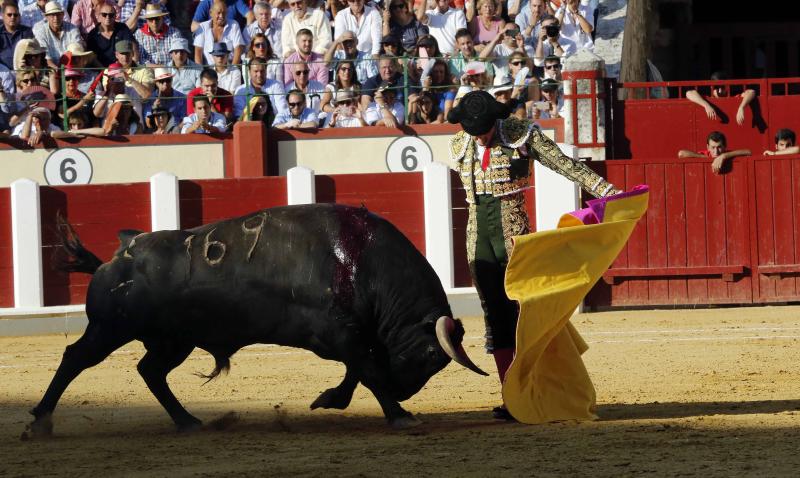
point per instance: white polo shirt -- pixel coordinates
(443, 27)
(368, 32)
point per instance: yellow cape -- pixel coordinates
(549, 273)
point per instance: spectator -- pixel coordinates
(503, 91)
(391, 46)
(785, 141)
(720, 91)
(400, 22)
(160, 121)
(167, 97)
(128, 121)
(386, 110)
(387, 73)
(186, 73)
(80, 126)
(12, 32)
(7, 93)
(443, 23)
(260, 84)
(364, 22)
(221, 100)
(716, 149)
(526, 89)
(474, 78)
(79, 59)
(305, 55)
(344, 80)
(85, 14)
(18, 110)
(345, 48)
(311, 88)
(577, 24)
(54, 34)
(218, 29)
(466, 53)
(260, 47)
(260, 109)
(298, 115)
(552, 68)
(530, 20)
(101, 40)
(155, 37)
(78, 101)
(551, 94)
(426, 110)
(511, 41)
(36, 127)
(346, 113)
(440, 86)
(236, 11)
(303, 18)
(484, 25)
(550, 43)
(229, 77)
(140, 78)
(265, 25)
(34, 12)
(204, 119)
(115, 84)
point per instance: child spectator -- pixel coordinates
(717, 149)
(785, 141)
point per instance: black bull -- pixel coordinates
(338, 281)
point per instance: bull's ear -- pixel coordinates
(429, 324)
(126, 235)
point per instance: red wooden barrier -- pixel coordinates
(97, 213)
(210, 200)
(6, 251)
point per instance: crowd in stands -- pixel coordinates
(105, 67)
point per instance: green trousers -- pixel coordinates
(488, 268)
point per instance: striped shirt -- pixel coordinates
(154, 49)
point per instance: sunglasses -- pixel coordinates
(301, 72)
(397, 6)
(295, 105)
(12, 15)
(345, 68)
(26, 81)
(108, 14)
(517, 63)
(346, 102)
(552, 67)
(259, 45)
(165, 80)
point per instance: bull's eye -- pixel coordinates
(433, 352)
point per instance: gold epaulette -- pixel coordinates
(458, 146)
(514, 132)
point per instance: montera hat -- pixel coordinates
(477, 112)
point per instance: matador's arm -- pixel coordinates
(549, 154)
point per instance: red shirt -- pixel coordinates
(706, 153)
(223, 102)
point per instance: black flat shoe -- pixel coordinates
(502, 413)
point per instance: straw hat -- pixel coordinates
(153, 11)
(162, 73)
(76, 49)
(122, 98)
(52, 8)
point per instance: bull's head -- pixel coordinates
(427, 349)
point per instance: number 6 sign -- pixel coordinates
(408, 153)
(67, 166)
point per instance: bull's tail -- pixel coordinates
(73, 256)
(222, 363)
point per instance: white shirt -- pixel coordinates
(18, 129)
(443, 27)
(313, 93)
(204, 38)
(501, 53)
(230, 79)
(30, 14)
(316, 21)
(217, 120)
(368, 32)
(373, 113)
(306, 116)
(366, 66)
(56, 46)
(571, 29)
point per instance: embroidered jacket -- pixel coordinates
(515, 144)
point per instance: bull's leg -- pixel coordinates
(157, 363)
(339, 396)
(92, 348)
(374, 378)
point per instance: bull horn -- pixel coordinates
(444, 327)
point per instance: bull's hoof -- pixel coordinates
(406, 422)
(331, 398)
(189, 426)
(42, 427)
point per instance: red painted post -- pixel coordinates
(249, 149)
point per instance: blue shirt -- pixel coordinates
(237, 11)
(176, 105)
(9, 40)
(307, 116)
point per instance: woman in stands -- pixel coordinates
(527, 90)
(345, 81)
(474, 78)
(425, 110)
(127, 121)
(77, 100)
(260, 47)
(260, 109)
(483, 24)
(218, 29)
(440, 85)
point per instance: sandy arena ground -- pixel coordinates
(704, 392)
